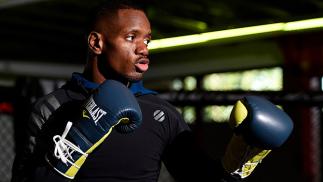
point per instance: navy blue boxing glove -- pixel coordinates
(111, 105)
(259, 126)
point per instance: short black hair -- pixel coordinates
(109, 8)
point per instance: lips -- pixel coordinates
(142, 65)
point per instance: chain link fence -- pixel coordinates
(7, 151)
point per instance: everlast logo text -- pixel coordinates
(94, 110)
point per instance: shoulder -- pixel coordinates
(56, 98)
(154, 106)
(45, 106)
(154, 100)
(170, 121)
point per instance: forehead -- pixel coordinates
(127, 20)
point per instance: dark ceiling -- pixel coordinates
(52, 30)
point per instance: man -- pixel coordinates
(118, 40)
(117, 43)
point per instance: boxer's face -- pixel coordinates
(125, 40)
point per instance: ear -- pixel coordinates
(95, 42)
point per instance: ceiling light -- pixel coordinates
(174, 42)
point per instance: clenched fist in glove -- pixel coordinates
(111, 105)
(259, 126)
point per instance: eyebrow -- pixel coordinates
(149, 35)
(137, 31)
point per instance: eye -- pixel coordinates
(130, 37)
(146, 41)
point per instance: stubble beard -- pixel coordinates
(135, 77)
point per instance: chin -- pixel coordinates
(134, 77)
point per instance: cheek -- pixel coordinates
(124, 59)
(121, 56)
(127, 55)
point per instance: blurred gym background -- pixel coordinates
(206, 54)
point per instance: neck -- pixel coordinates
(92, 73)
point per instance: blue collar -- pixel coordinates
(78, 77)
(136, 88)
(139, 89)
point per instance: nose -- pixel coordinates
(142, 49)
